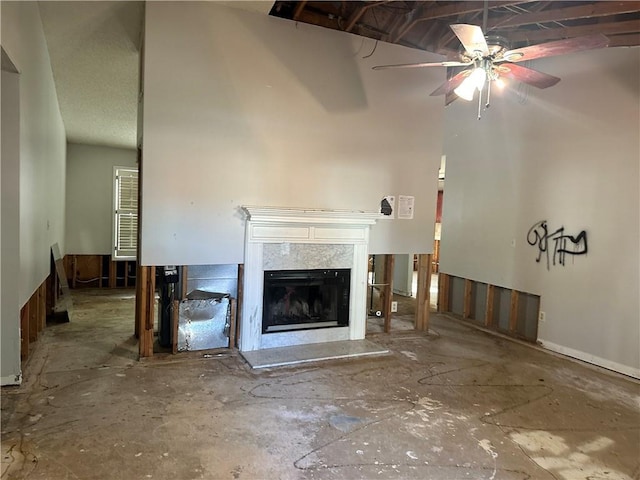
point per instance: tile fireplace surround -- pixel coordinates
(296, 239)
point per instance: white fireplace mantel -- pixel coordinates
(308, 215)
(308, 238)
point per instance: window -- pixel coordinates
(125, 231)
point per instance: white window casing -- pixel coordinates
(125, 224)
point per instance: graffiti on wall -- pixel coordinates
(555, 246)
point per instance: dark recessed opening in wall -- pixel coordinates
(305, 299)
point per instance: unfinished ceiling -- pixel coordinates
(425, 25)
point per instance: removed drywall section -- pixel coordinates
(90, 196)
(245, 109)
(567, 155)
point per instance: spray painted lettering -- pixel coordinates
(561, 243)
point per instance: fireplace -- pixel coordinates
(283, 245)
(305, 299)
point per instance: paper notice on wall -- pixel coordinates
(388, 206)
(405, 206)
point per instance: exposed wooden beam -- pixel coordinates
(299, 8)
(358, 13)
(451, 10)
(550, 34)
(24, 332)
(468, 296)
(628, 40)
(443, 293)
(423, 292)
(513, 312)
(488, 317)
(145, 299)
(319, 19)
(407, 22)
(599, 9)
(393, 28)
(389, 261)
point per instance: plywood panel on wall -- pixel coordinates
(278, 127)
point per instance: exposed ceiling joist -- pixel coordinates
(614, 28)
(592, 10)
(425, 24)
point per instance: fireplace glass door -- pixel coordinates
(305, 299)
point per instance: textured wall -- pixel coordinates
(89, 229)
(567, 155)
(245, 109)
(42, 154)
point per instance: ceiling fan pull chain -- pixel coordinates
(479, 104)
(488, 94)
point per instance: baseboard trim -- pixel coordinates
(586, 357)
(11, 379)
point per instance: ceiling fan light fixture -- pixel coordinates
(466, 89)
(479, 77)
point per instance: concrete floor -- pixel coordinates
(454, 404)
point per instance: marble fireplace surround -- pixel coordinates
(297, 238)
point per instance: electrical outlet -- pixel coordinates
(542, 317)
(394, 307)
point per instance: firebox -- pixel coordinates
(305, 299)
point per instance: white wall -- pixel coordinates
(570, 155)
(42, 151)
(90, 196)
(241, 108)
(10, 229)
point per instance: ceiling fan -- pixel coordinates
(489, 60)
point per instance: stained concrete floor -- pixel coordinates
(452, 404)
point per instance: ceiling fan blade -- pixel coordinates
(527, 75)
(451, 84)
(449, 98)
(420, 65)
(560, 47)
(472, 39)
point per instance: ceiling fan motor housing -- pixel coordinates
(497, 47)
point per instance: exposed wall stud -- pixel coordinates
(468, 290)
(423, 292)
(24, 332)
(443, 293)
(488, 318)
(513, 312)
(387, 291)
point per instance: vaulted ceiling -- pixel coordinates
(94, 46)
(425, 24)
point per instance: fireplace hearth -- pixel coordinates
(305, 299)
